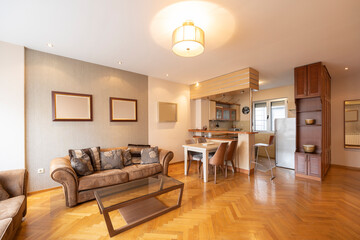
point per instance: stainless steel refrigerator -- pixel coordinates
(285, 132)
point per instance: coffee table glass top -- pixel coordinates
(114, 195)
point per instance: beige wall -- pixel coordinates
(12, 127)
(341, 90)
(169, 135)
(46, 139)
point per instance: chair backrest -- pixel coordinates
(271, 140)
(218, 158)
(201, 140)
(230, 151)
(189, 141)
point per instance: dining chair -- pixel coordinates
(229, 156)
(257, 149)
(218, 159)
(192, 156)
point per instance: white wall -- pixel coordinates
(12, 127)
(169, 135)
(341, 90)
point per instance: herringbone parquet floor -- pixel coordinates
(239, 207)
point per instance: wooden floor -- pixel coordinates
(236, 208)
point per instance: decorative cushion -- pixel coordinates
(82, 165)
(127, 157)
(93, 152)
(135, 150)
(3, 193)
(111, 160)
(150, 155)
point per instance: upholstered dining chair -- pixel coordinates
(218, 159)
(229, 156)
(192, 156)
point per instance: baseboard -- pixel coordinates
(346, 167)
(243, 171)
(44, 190)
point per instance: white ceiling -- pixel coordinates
(271, 36)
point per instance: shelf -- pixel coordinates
(309, 111)
(312, 125)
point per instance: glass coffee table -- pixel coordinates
(139, 201)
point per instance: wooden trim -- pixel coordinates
(111, 99)
(44, 190)
(308, 177)
(53, 98)
(346, 167)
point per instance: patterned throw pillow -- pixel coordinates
(135, 150)
(82, 165)
(111, 160)
(3, 193)
(127, 158)
(93, 152)
(150, 155)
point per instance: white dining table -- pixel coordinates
(205, 149)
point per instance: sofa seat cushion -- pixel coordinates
(142, 171)
(103, 179)
(11, 206)
(5, 228)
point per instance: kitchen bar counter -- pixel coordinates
(220, 131)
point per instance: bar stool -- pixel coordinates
(257, 149)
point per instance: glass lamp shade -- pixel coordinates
(188, 40)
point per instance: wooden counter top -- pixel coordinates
(220, 131)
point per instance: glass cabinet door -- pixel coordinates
(233, 115)
(218, 113)
(226, 114)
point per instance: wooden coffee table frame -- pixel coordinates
(140, 217)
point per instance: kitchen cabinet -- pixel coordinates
(226, 114)
(308, 80)
(308, 164)
(219, 113)
(212, 110)
(313, 101)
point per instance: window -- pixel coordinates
(265, 113)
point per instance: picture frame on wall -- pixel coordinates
(123, 110)
(68, 106)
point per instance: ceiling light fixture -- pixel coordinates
(167, 74)
(120, 62)
(346, 68)
(50, 45)
(188, 40)
(197, 84)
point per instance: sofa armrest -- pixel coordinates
(62, 172)
(165, 157)
(14, 181)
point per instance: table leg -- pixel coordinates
(205, 155)
(185, 160)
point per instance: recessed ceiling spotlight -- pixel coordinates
(346, 68)
(120, 62)
(197, 84)
(167, 74)
(50, 45)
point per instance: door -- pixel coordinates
(232, 114)
(314, 80)
(219, 113)
(301, 163)
(300, 82)
(314, 165)
(226, 114)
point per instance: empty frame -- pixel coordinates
(167, 112)
(71, 106)
(123, 110)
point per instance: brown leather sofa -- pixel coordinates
(13, 209)
(80, 189)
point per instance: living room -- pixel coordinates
(108, 52)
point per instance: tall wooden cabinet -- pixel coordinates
(312, 99)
